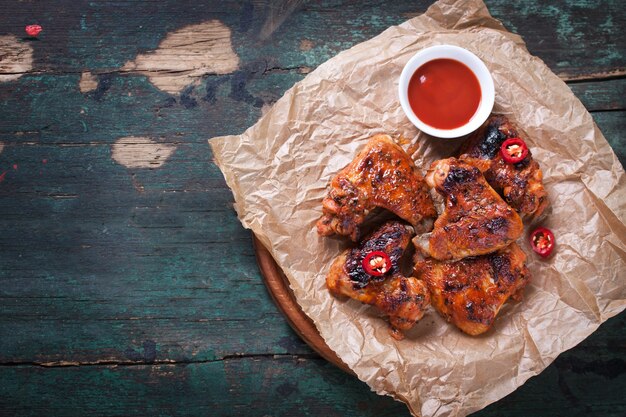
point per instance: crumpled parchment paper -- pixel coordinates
(279, 168)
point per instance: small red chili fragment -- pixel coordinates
(514, 150)
(542, 241)
(33, 30)
(377, 263)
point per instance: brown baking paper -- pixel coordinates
(279, 168)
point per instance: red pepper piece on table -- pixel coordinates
(514, 150)
(33, 30)
(377, 263)
(542, 241)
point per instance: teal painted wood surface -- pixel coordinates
(128, 291)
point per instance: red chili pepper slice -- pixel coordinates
(33, 30)
(377, 263)
(514, 150)
(542, 241)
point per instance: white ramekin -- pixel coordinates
(473, 63)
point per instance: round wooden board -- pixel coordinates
(278, 287)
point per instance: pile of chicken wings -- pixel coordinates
(466, 263)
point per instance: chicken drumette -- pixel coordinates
(475, 220)
(469, 293)
(382, 175)
(519, 183)
(402, 299)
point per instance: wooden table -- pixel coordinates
(127, 284)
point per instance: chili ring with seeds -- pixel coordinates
(542, 241)
(377, 263)
(514, 150)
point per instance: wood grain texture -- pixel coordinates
(186, 55)
(126, 290)
(237, 386)
(16, 58)
(587, 381)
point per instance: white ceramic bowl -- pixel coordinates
(473, 63)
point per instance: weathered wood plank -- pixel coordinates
(563, 31)
(600, 96)
(277, 386)
(613, 126)
(586, 381)
(577, 39)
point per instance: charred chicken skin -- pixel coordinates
(382, 175)
(469, 293)
(475, 220)
(519, 183)
(404, 300)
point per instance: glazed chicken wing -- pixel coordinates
(469, 293)
(381, 175)
(520, 184)
(475, 220)
(402, 299)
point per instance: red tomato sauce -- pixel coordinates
(444, 93)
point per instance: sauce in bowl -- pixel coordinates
(444, 93)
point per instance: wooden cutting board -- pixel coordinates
(278, 287)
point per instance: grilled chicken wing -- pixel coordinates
(403, 299)
(381, 175)
(520, 184)
(469, 293)
(475, 220)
